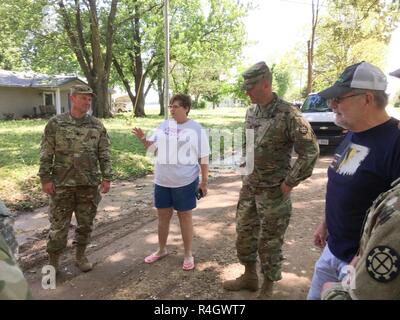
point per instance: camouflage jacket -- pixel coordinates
(377, 271)
(278, 128)
(73, 151)
(12, 282)
(13, 285)
(6, 228)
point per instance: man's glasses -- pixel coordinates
(338, 100)
(174, 106)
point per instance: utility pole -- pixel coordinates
(166, 67)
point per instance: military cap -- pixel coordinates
(254, 74)
(81, 89)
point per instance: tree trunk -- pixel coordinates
(123, 79)
(138, 63)
(95, 64)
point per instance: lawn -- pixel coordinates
(20, 143)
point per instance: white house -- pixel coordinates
(24, 94)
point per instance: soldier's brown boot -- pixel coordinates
(266, 289)
(81, 261)
(53, 261)
(247, 281)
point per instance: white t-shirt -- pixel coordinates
(178, 150)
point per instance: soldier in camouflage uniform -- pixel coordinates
(74, 161)
(12, 281)
(264, 206)
(377, 265)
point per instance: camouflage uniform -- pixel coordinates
(72, 152)
(12, 281)
(262, 213)
(377, 272)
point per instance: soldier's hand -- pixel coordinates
(105, 186)
(49, 188)
(285, 190)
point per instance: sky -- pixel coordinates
(276, 25)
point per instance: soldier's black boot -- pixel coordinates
(266, 289)
(81, 261)
(53, 261)
(247, 281)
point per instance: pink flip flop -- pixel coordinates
(153, 257)
(188, 264)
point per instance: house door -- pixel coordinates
(48, 99)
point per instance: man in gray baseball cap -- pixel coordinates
(365, 164)
(264, 207)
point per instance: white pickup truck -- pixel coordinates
(316, 111)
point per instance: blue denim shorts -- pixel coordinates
(181, 199)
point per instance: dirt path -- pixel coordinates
(126, 231)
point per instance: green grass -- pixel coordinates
(20, 143)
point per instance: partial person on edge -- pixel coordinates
(13, 285)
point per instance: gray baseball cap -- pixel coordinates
(362, 75)
(81, 89)
(395, 73)
(254, 74)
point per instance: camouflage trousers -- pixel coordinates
(13, 285)
(262, 218)
(83, 202)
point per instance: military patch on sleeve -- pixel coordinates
(383, 264)
(303, 129)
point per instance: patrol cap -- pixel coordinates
(362, 75)
(254, 74)
(81, 89)
(395, 73)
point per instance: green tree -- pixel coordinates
(206, 43)
(353, 30)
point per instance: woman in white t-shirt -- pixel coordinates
(181, 147)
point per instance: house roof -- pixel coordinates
(33, 80)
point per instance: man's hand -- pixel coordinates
(285, 190)
(105, 186)
(49, 188)
(320, 235)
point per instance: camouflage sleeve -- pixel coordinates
(105, 155)
(6, 228)
(377, 273)
(306, 147)
(248, 124)
(13, 285)
(47, 150)
(337, 292)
